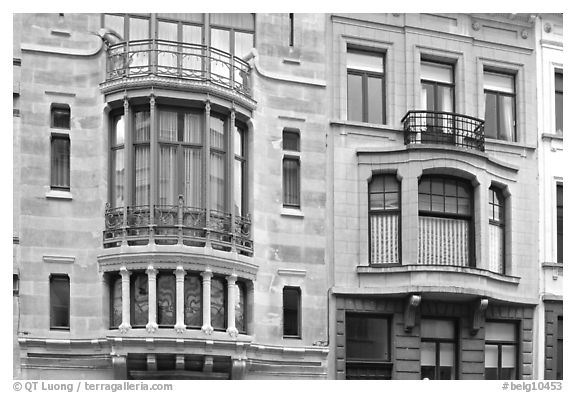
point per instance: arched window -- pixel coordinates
(445, 221)
(496, 220)
(384, 213)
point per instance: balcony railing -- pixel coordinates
(443, 128)
(177, 60)
(176, 224)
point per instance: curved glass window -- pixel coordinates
(166, 299)
(241, 307)
(193, 301)
(218, 303)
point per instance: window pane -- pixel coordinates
(243, 43)
(376, 184)
(506, 118)
(166, 297)
(142, 175)
(499, 82)
(392, 201)
(240, 308)
(424, 186)
(167, 176)
(142, 126)
(118, 138)
(509, 356)
(193, 128)
(291, 181)
(192, 300)
(450, 187)
(437, 328)
(437, 203)
(61, 118)
(436, 72)
(446, 99)
(168, 126)
(559, 101)
(463, 206)
(560, 222)
(424, 202)
(500, 331)
(116, 296)
(218, 190)
(60, 171)
(118, 178)
(491, 356)
(217, 133)
(218, 304)
(490, 115)
(428, 353)
(167, 31)
(220, 39)
(377, 201)
(115, 22)
(239, 142)
(139, 29)
(391, 183)
(367, 337)
(365, 61)
(355, 97)
(139, 303)
(193, 177)
(291, 141)
(375, 93)
(238, 187)
(59, 302)
(192, 34)
(447, 354)
(291, 311)
(451, 205)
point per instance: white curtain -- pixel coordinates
(193, 177)
(192, 128)
(167, 176)
(118, 180)
(506, 119)
(142, 175)
(217, 181)
(168, 126)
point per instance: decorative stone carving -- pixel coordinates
(524, 34)
(478, 317)
(547, 27)
(412, 304)
(476, 26)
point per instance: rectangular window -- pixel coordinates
(366, 86)
(291, 37)
(384, 214)
(60, 116)
(560, 349)
(500, 106)
(368, 346)
(291, 168)
(559, 101)
(559, 223)
(291, 311)
(60, 162)
(59, 302)
(438, 349)
(501, 350)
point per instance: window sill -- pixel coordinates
(59, 194)
(292, 337)
(291, 212)
(558, 136)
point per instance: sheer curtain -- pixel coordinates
(142, 158)
(217, 162)
(168, 161)
(506, 118)
(193, 160)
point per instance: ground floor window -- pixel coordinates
(438, 349)
(501, 350)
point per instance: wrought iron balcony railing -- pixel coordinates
(177, 60)
(176, 224)
(444, 128)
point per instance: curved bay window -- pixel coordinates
(445, 221)
(158, 169)
(241, 323)
(384, 213)
(193, 301)
(496, 230)
(218, 303)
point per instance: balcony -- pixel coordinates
(177, 61)
(444, 128)
(177, 225)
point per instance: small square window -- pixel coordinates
(60, 116)
(291, 140)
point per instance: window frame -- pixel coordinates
(113, 147)
(224, 303)
(62, 109)
(365, 74)
(558, 93)
(500, 343)
(53, 280)
(437, 341)
(498, 95)
(243, 160)
(54, 169)
(560, 222)
(459, 181)
(497, 199)
(292, 155)
(435, 84)
(241, 286)
(298, 292)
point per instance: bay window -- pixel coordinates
(384, 213)
(496, 230)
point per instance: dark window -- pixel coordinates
(115, 301)
(291, 37)
(166, 299)
(60, 162)
(384, 214)
(366, 86)
(59, 302)
(241, 307)
(500, 105)
(218, 303)
(501, 350)
(560, 349)
(291, 305)
(368, 349)
(438, 349)
(193, 300)
(60, 116)
(291, 168)
(560, 223)
(15, 285)
(138, 299)
(443, 196)
(559, 100)
(497, 229)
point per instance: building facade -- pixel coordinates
(257, 196)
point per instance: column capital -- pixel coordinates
(126, 103)
(151, 271)
(152, 100)
(207, 106)
(207, 329)
(125, 273)
(232, 279)
(179, 272)
(151, 327)
(206, 274)
(124, 327)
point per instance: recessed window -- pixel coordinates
(559, 101)
(496, 229)
(60, 162)
(291, 312)
(368, 348)
(15, 285)
(60, 116)
(218, 303)
(291, 168)
(438, 349)
(560, 349)
(166, 299)
(241, 322)
(291, 34)
(384, 213)
(501, 350)
(138, 299)
(559, 223)
(366, 86)
(437, 82)
(59, 302)
(500, 105)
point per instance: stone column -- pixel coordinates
(206, 291)
(206, 175)
(180, 273)
(125, 325)
(128, 156)
(409, 216)
(232, 331)
(153, 164)
(152, 326)
(231, 176)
